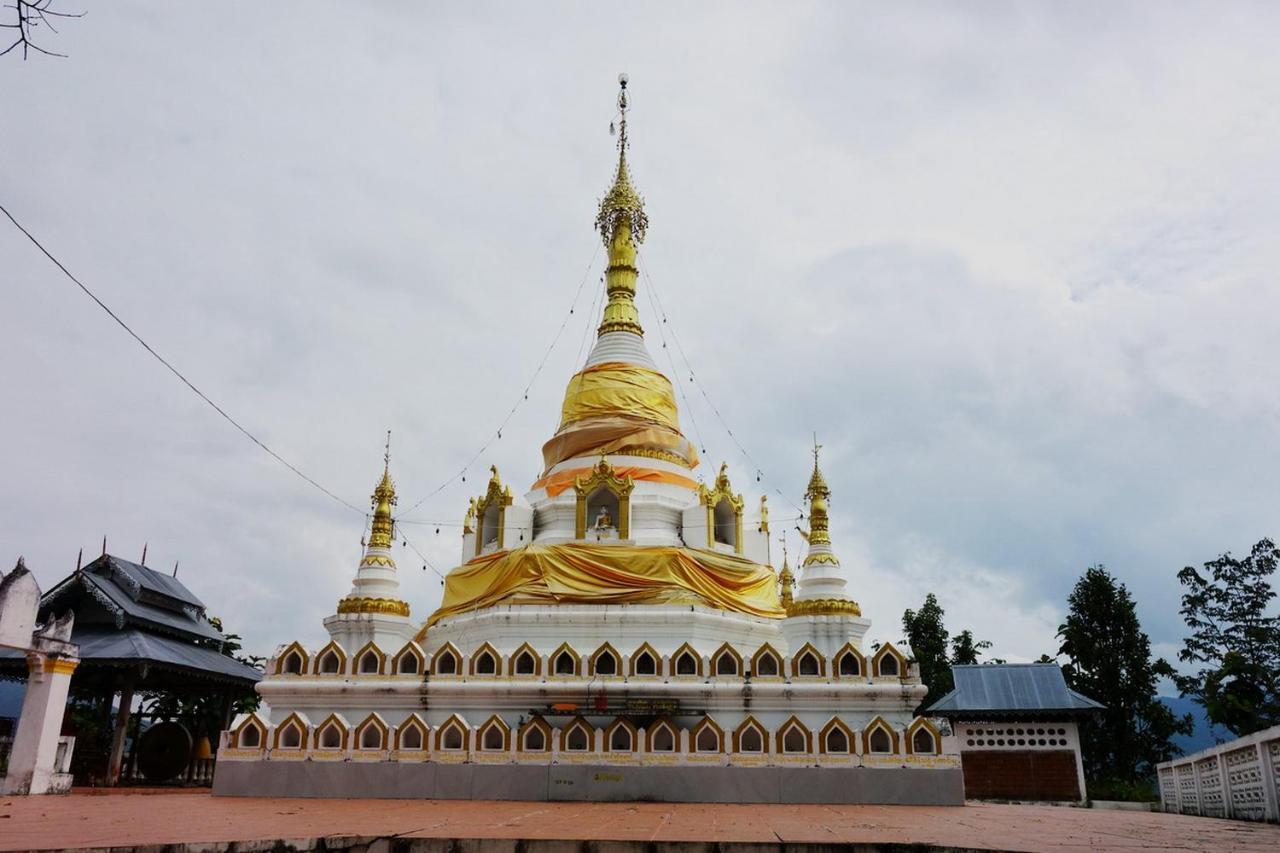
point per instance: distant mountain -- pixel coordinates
(1205, 734)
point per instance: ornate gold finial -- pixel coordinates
(469, 520)
(786, 580)
(818, 533)
(764, 514)
(622, 224)
(384, 497)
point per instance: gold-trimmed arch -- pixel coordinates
(791, 724)
(357, 666)
(751, 723)
(293, 721)
(645, 648)
(837, 662)
(498, 498)
(374, 721)
(535, 723)
(878, 658)
(482, 733)
(695, 734)
(413, 650)
(294, 648)
(686, 650)
(553, 662)
(882, 724)
(662, 722)
(593, 663)
(632, 731)
(333, 721)
(918, 724)
(722, 492)
(473, 665)
(729, 652)
(850, 738)
(797, 660)
(578, 723)
(514, 659)
(768, 651)
(603, 476)
(454, 723)
(413, 721)
(251, 721)
(335, 648)
(458, 660)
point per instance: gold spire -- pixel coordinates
(786, 580)
(817, 493)
(384, 497)
(622, 223)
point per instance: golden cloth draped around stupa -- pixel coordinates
(619, 408)
(610, 574)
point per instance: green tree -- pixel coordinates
(1109, 660)
(1234, 639)
(965, 650)
(927, 637)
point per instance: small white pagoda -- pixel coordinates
(616, 633)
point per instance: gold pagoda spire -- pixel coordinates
(819, 525)
(786, 580)
(384, 497)
(622, 223)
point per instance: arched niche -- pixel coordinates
(491, 515)
(603, 504)
(293, 661)
(923, 738)
(724, 512)
(411, 736)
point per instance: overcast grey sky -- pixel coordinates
(1015, 264)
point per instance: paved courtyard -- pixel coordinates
(208, 823)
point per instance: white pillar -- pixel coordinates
(35, 745)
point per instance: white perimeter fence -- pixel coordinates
(1237, 780)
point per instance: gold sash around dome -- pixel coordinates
(619, 408)
(620, 389)
(610, 574)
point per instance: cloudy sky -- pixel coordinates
(1014, 263)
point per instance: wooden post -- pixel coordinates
(121, 729)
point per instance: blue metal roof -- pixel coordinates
(1004, 688)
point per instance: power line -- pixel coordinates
(497, 434)
(174, 370)
(644, 268)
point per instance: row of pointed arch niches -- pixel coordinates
(574, 736)
(604, 662)
(602, 513)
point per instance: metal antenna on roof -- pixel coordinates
(104, 546)
(144, 554)
(175, 568)
(79, 559)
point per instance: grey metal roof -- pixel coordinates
(131, 647)
(134, 594)
(1004, 688)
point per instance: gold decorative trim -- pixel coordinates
(661, 455)
(829, 559)
(392, 606)
(711, 498)
(621, 487)
(497, 496)
(824, 607)
(377, 560)
(60, 666)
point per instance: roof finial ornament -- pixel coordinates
(621, 222)
(383, 499)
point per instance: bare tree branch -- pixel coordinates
(30, 15)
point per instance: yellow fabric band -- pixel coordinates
(609, 574)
